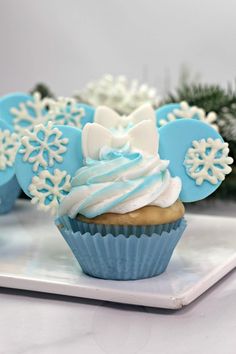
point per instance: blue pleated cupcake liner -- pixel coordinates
(75, 225)
(9, 192)
(120, 257)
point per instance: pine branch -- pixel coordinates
(43, 89)
(208, 97)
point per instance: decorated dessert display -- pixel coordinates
(18, 111)
(19, 114)
(24, 111)
(117, 186)
(118, 93)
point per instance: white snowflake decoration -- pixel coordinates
(48, 189)
(31, 113)
(8, 147)
(208, 160)
(118, 93)
(43, 146)
(186, 111)
(65, 111)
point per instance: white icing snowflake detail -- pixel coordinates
(43, 146)
(208, 160)
(8, 147)
(31, 113)
(65, 111)
(118, 93)
(48, 189)
(186, 111)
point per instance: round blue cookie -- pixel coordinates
(163, 112)
(89, 114)
(6, 172)
(11, 101)
(176, 139)
(69, 157)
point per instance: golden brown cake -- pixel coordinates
(148, 215)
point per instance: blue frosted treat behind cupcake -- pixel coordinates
(9, 192)
(9, 187)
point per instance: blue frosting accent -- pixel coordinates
(9, 101)
(175, 140)
(72, 159)
(109, 168)
(8, 173)
(163, 111)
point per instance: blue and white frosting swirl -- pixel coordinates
(120, 181)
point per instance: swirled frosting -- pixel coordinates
(120, 181)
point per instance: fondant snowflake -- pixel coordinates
(66, 112)
(48, 189)
(186, 111)
(31, 113)
(8, 147)
(208, 160)
(118, 93)
(43, 146)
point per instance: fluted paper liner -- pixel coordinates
(126, 230)
(120, 257)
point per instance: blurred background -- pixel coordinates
(67, 43)
(173, 46)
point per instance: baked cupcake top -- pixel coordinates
(120, 164)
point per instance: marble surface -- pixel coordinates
(33, 323)
(38, 323)
(34, 256)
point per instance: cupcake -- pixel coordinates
(118, 191)
(123, 203)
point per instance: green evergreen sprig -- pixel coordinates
(208, 97)
(43, 89)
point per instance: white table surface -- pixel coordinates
(34, 323)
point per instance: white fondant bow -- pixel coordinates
(108, 118)
(143, 137)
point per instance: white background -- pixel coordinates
(67, 42)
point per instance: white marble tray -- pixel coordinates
(33, 256)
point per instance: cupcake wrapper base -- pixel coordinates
(121, 258)
(126, 230)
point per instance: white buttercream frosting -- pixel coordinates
(120, 180)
